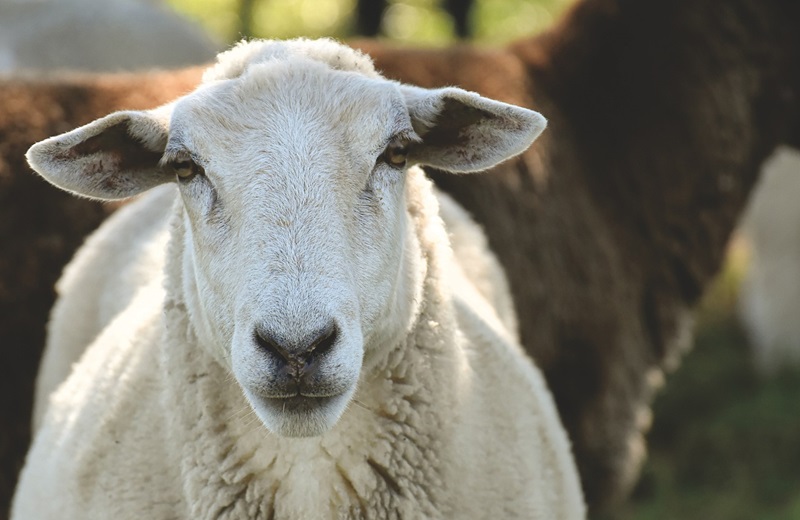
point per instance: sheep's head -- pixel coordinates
(299, 262)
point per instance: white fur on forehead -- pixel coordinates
(235, 62)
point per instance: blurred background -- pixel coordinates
(725, 442)
(418, 22)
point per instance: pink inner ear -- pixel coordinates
(118, 149)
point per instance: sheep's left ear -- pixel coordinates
(114, 157)
(464, 132)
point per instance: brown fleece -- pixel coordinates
(612, 225)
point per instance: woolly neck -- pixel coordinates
(384, 452)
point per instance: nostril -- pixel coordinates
(324, 341)
(297, 353)
(271, 346)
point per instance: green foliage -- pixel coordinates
(219, 17)
(410, 21)
(502, 21)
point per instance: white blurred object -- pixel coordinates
(770, 298)
(98, 35)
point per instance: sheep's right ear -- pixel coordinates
(114, 157)
(464, 132)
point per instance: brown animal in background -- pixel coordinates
(609, 228)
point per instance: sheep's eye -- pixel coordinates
(396, 153)
(186, 170)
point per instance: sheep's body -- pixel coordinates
(117, 271)
(452, 421)
(69, 34)
(481, 267)
(234, 469)
(771, 286)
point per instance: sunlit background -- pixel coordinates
(725, 443)
(419, 22)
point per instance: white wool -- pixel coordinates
(158, 419)
(117, 271)
(236, 61)
(770, 296)
(481, 267)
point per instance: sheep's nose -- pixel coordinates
(300, 359)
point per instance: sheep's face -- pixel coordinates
(299, 262)
(292, 179)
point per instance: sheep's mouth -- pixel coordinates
(297, 403)
(299, 415)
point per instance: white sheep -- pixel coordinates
(770, 296)
(98, 35)
(309, 347)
